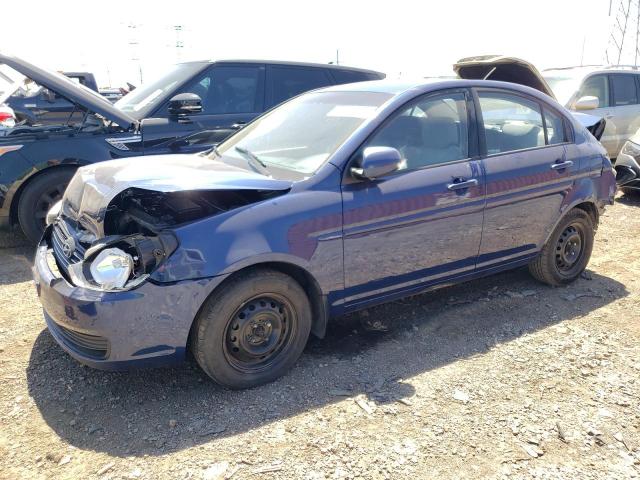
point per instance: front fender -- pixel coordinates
(303, 229)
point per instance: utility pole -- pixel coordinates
(179, 43)
(134, 45)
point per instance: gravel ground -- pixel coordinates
(497, 378)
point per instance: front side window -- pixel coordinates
(226, 90)
(510, 122)
(287, 82)
(429, 132)
(596, 86)
(301, 134)
(624, 90)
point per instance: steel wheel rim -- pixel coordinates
(46, 201)
(258, 332)
(570, 248)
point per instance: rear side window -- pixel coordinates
(556, 131)
(596, 86)
(510, 122)
(287, 82)
(624, 90)
(349, 76)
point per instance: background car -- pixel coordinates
(194, 106)
(612, 92)
(7, 119)
(628, 166)
(335, 201)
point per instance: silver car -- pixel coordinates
(612, 93)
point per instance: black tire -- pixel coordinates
(38, 197)
(253, 329)
(568, 250)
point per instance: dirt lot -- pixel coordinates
(497, 378)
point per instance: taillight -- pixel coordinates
(5, 116)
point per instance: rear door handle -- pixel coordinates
(238, 125)
(463, 184)
(561, 165)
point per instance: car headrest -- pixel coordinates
(440, 132)
(402, 131)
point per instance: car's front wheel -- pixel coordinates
(38, 197)
(568, 250)
(253, 329)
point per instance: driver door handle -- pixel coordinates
(463, 184)
(561, 165)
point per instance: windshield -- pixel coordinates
(144, 99)
(563, 87)
(303, 133)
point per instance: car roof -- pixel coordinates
(287, 63)
(423, 85)
(584, 70)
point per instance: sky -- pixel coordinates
(118, 40)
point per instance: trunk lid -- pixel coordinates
(504, 69)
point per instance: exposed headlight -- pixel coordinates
(112, 268)
(631, 149)
(53, 212)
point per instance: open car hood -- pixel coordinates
(94, 187)
(74, 92)
(503, 69)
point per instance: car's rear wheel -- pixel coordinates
(253, 329)
(38, 197)
(568, 250)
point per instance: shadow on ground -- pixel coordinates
(632, 199)
(129, 413)
(17, 256)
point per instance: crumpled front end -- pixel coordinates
(146, 326)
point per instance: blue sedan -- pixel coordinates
(337, 200)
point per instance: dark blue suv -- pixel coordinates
(193, 106)
(337, 200)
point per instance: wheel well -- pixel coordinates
(13, 212)
(319, 309)
(591, 209)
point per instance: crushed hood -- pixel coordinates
(503, 69)
(94, 187)
(65, 87)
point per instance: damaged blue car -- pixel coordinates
(337, 200)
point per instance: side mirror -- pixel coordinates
(587, 103)
(48, 95)
(377, 162)
(185, 104)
